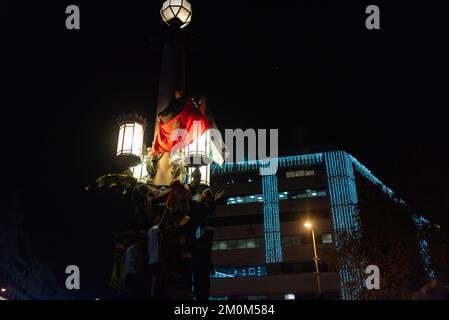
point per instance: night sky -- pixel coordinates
(309, 68)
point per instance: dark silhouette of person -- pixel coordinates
(176, 105)
(202, 265)
(202, 205)
(135, 267)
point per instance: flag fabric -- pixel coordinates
(191, 119)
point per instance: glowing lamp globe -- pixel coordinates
(177, 13)
(130, 140)
(197, 154)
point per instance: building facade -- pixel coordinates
(262, 249)
(23, 276)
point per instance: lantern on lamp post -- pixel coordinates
(130, 139)
(197, 155)
(205, 174)
(177, 13)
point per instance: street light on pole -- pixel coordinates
(308, 225)
(177, 12)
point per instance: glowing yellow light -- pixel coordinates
(198, 152)
(308, 225)
(130, 140)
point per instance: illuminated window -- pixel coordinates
(232, 244)
(290, 174)
(222, 245)
(299, 173)
(286, 195)
(327, 238)
(249, 199)
(251, 243)
(308, 193)
(241, 244)
(240, 200)
(283, 196)
(245, 199)
(219, 298)
(289, 296)
(240, 271)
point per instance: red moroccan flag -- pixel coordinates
(190, 119)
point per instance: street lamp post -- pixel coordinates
(308, 225)
(176, 14)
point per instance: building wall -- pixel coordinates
(323, 188)
(23, 275)
(246, 221)
(275, 286)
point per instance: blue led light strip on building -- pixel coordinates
(421, 224)
(273, 245)
(343, 198)
(283, 162)
(345, 215)
(368, 175)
